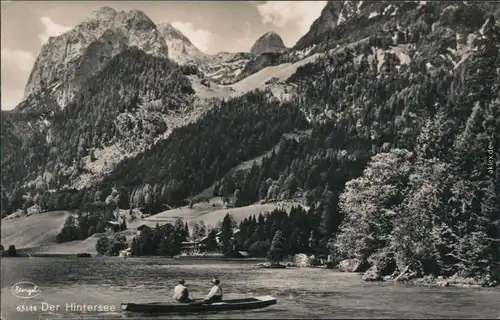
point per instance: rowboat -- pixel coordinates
(227, 305)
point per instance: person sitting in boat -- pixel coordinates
(215, 294)
(181, 293)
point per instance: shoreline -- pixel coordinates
(425, 281)
(26, 253)
(44, 255)
(454, 282)
(439, 281)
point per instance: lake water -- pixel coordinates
(301, 293)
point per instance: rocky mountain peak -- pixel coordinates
(67, 60)
(268, 42)
(102, 14)
(107, 17)
(270, 34)
(138, 19)
(180, 48)
(169, 32)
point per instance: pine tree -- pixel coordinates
(180, 235)
(212, 240)
(277, 251)
(327, 216)
(295, 245)
(12, 252)
(163, 247)
(135, 248)
(102, 245)
(226, 237)
(490, 212)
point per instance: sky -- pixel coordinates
(212, 26)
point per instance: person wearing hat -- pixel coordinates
(215, 294)
(181, 293)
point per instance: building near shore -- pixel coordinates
(195, 247)
(199, 246)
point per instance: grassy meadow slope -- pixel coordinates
(211, 212)
(37, 233)
(33, 230)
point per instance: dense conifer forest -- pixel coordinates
(390, 145)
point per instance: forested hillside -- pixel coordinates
(23, 128)
(125, 106)
(400, 169)
(197, 154)
(429, 199)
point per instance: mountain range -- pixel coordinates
(382, 115)
(66, 61)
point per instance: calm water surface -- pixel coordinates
(301, 293)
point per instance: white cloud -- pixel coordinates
(52, 29)
(282, 13)
(247, 37)
(22, 59)
(199, 37)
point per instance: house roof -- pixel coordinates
(189, 242)
(203, 239)
(235, 231)
(192, 244)
(143, 226)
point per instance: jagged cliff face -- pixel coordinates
(268, 42)
(338, 18)
(221, 68)
(67, 60)
(332, 15)
(180, 48)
